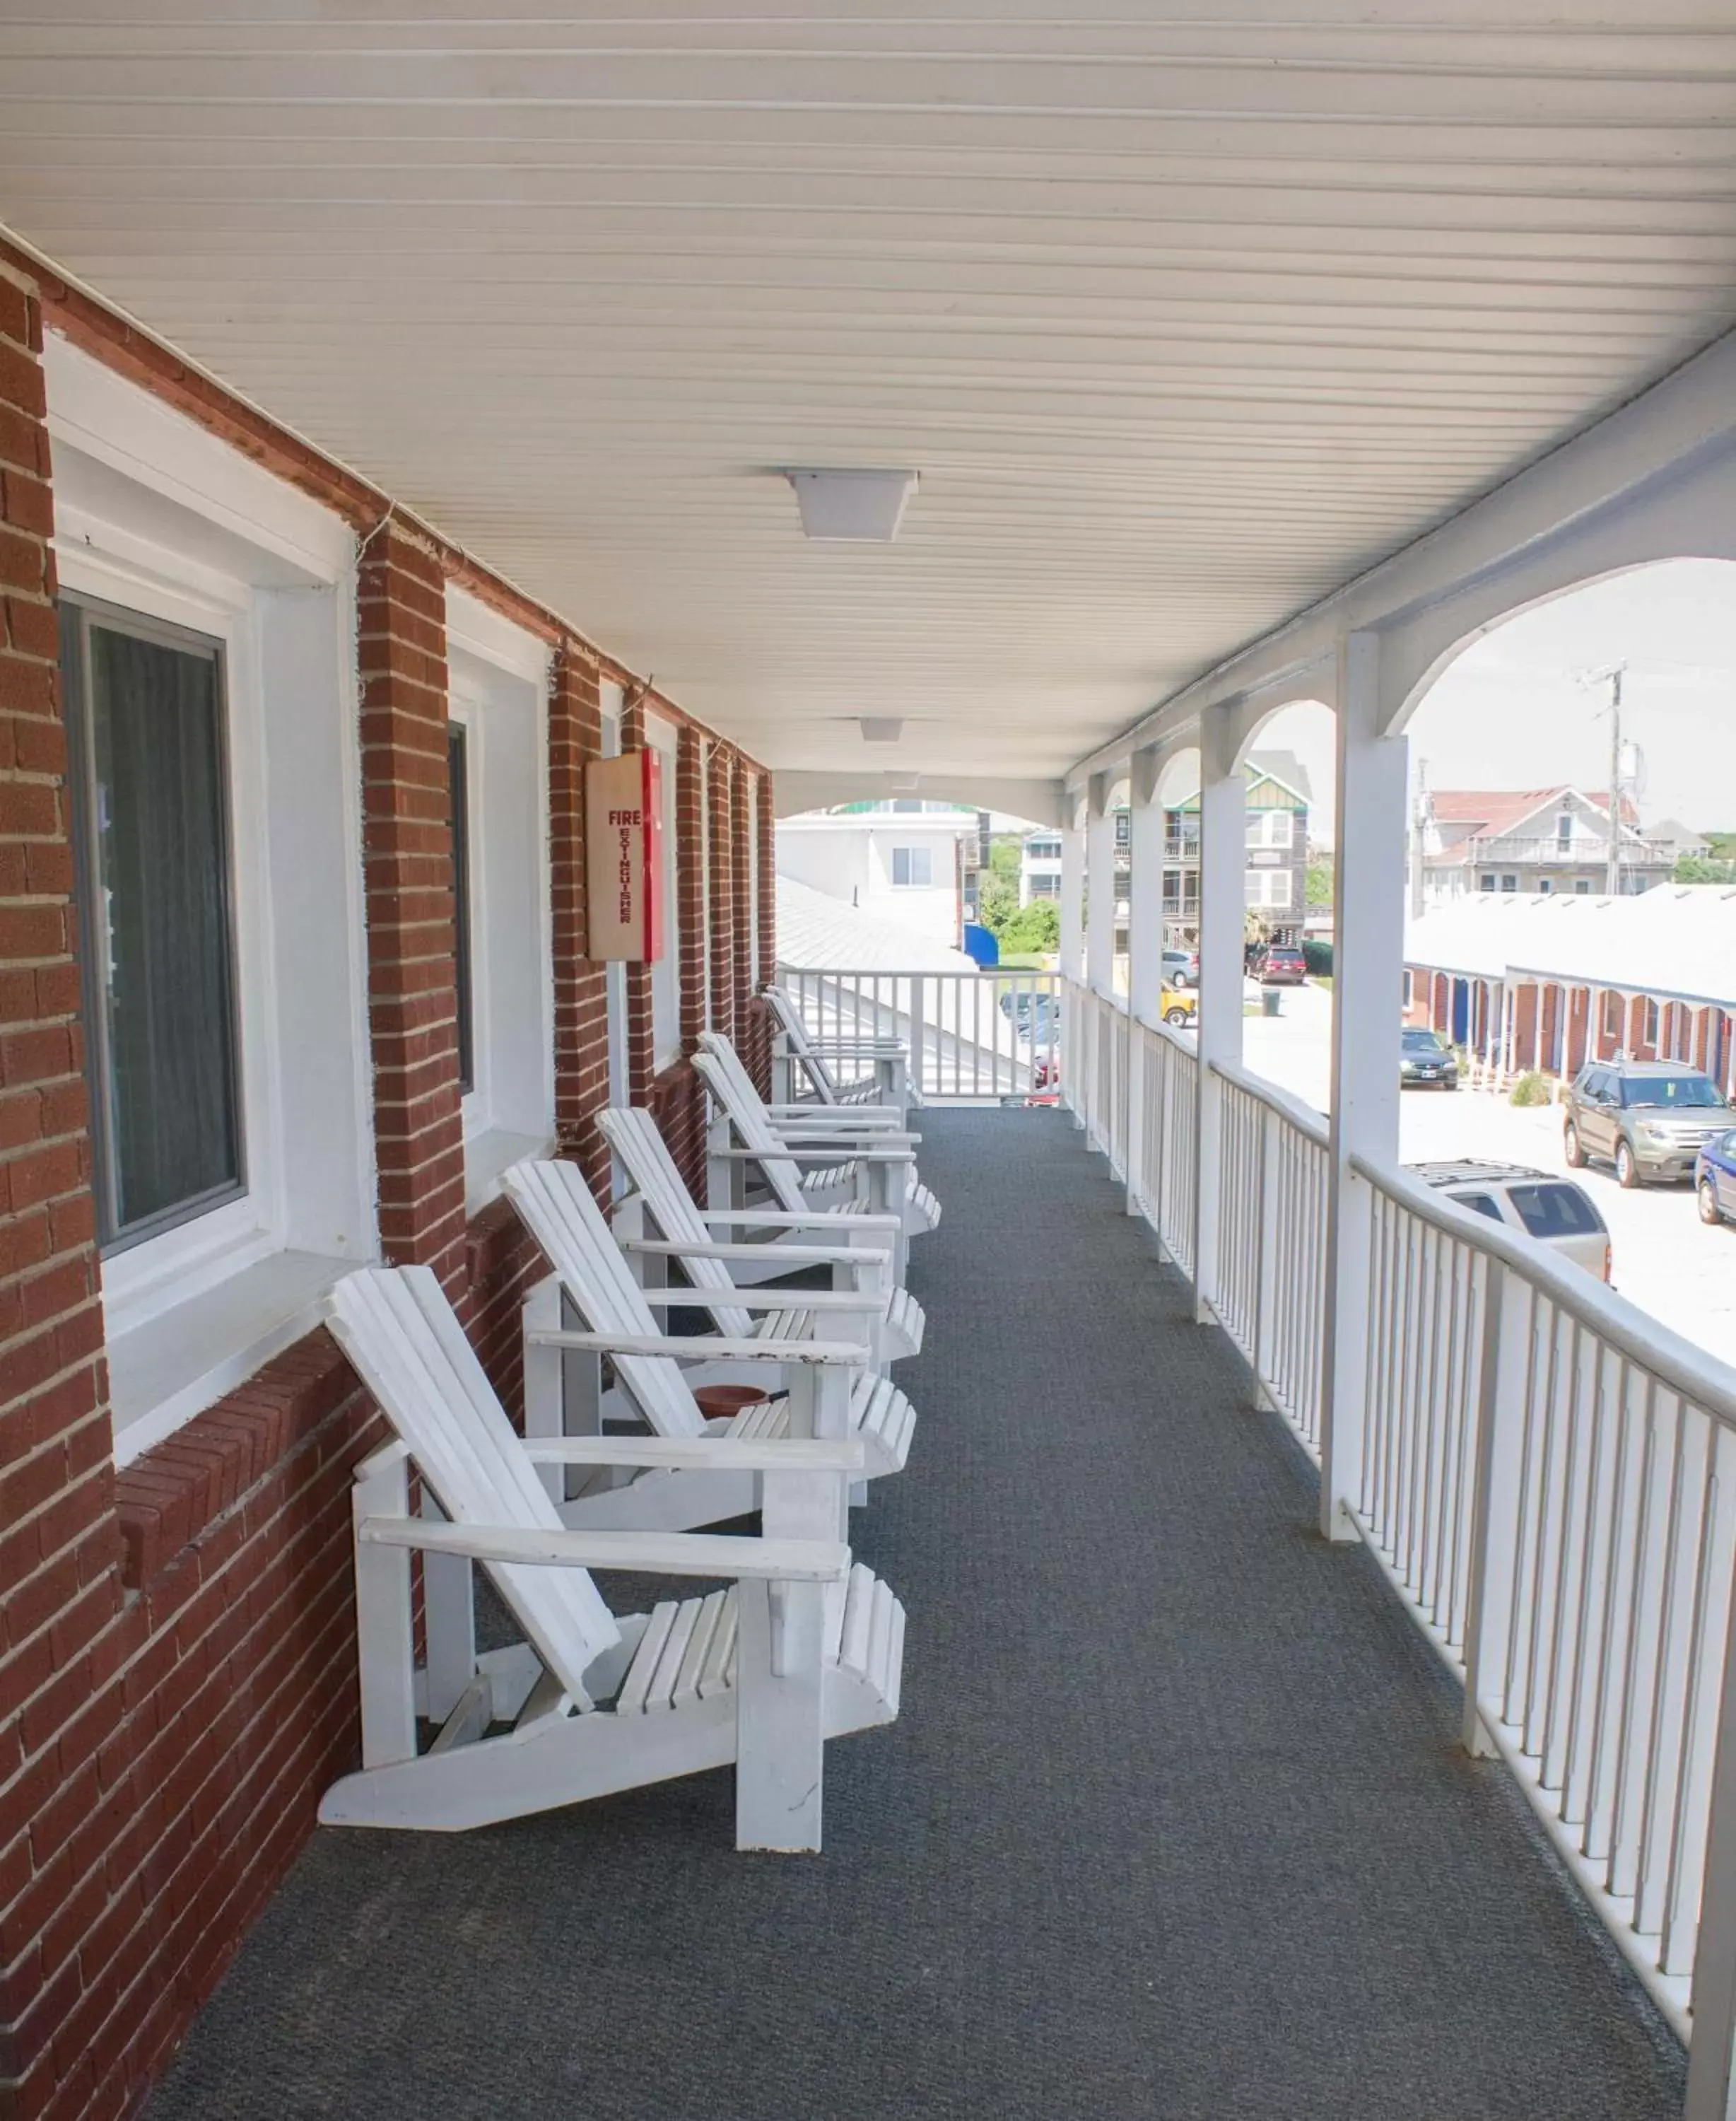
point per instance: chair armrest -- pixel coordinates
(807, 1454)
(860, 1302)
(791, 1218)
(854, 1119)
(706, 1348)
(844, 1152)
(793, 1256)
(653, 1553)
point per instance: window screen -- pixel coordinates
(146, 709)
(913, 866)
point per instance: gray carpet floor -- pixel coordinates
(1173, 1824)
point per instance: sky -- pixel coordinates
(1514, 710)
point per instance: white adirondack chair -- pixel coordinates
(800, 1648)
(832, 1389)
(857, 1156)
(724, 1266)
(800, 1055)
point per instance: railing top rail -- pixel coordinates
(1304, 1118)
(913, 972)
(1634, 1334)
(1184, 1041)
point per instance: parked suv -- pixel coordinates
(1553, 1210)
(1650, 1118)
(1283, 966)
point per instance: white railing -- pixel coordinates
(1270, 1291)
(972, 1035)
(1166, 1076)
(1549, 1478)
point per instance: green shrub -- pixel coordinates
(1533, 1088)
(1317, 954)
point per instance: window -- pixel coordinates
(913, 868)
(1271, 828)
(207, 628)
(1582, 886)
(146, 714)
(1045, 887)
(1564, 829)
(1267, 887)
(1612, 1016)
(1544, 887)
(1651, 1022)
(1555, 1211)
(1486, 882)
(1479, 1204)
(1510, 883)
(1123, 829)
(457, 778)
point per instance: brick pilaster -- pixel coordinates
(768, 965)
(581, 987)
(690, 882)
(639, 1045)
(740, 826)
(723, 854)
(408, 869)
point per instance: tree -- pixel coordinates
(1318, 888)
(1031, 928)
(1703, 869)
(997, 899)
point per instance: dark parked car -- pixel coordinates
(1426, 1058)
(1283, 966)
(1714, 1178)
(1650, 1118)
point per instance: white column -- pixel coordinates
(1145, 892)
(1223, 894)
(1073, 897)
(1099, 889)
(1368, 973)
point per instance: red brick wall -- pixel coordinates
(407, 861)
(768, 881)
(581, 988)
(177, 1661)
(690, 883)
(720, 893)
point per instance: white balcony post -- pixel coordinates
(1145, 892)
(1223, 864)
(1711, 2065)
(1099, 889)
(1144, 951)
(1368, 973)
(1073, 897)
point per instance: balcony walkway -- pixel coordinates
(1174, 1824)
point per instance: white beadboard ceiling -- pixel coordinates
(1183, 316)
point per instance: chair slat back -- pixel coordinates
(555, 1205)
(399, 1331)
(818, 1070)
(633, 1138)
(730, 1083)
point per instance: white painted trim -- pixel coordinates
(125, 427)
(482, 632)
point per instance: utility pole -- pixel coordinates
(1612, 871)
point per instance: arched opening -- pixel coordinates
(1571, 897)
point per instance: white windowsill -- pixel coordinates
(487, 1155)
(167, 1369)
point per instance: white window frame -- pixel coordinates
(156, 516)
(910, 883)
(666, 1032)
(1272, 828)
(497, 692)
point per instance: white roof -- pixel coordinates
(818, 931)
(1676, 940)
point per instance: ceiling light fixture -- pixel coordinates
(879, 730)
(866, 506)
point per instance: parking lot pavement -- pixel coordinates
(1666, 1260)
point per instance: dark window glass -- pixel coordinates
(1480, 1204)
(152, 832)
(1555, 1211)
(457, 767)
(1651, 1092)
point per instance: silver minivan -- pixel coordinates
(1543, 1205)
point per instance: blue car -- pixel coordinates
(1715, 1179)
